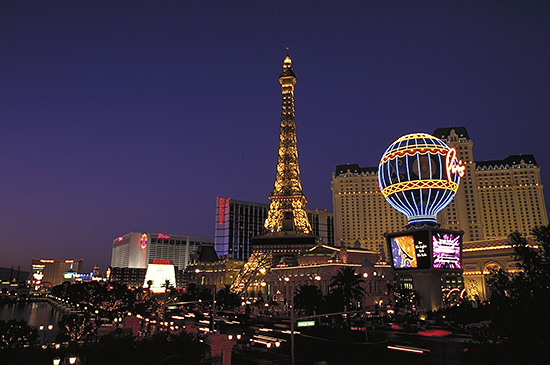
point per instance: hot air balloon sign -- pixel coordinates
(419, 175)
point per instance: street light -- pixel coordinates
(68, 360)
(43, 329)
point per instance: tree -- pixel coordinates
(347, 285)
(227, 299)
(116, 299)
(521, 299)
(308, 298)
(405, 301)
(16, 333)
(76, 328)
(191, 293)
(141, 302)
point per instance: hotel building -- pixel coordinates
(495, 198)
(238, 221)
(51, 271)
(133, 251)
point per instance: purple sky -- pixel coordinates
(135, 116)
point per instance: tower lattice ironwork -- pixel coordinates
(288, 230)
(287, 208)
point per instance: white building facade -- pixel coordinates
(135, 250)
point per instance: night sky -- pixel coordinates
(119, 116)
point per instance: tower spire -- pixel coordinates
(287, 208)
(288, 231)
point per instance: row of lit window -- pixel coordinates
(505, 186)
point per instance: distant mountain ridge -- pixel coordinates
(5, 274)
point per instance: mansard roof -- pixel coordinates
(206, 254)
(510, 162)
(443, 133)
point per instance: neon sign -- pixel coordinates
(223, 207)
(419, 175)
(143, 241)
(163, 236)
(453, 167)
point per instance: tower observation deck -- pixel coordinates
(287, 228)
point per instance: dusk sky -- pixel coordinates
(120, 116)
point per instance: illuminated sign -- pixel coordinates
(143, 241)
(411, 251)
(84, 277)
(427, 248)
(453, 165)
(419, 175)
(47, 261)
(161, 262)
(157, 275)
(223, 208)
(120, 238)
(305, 324)
(446, 250)
(163, 236)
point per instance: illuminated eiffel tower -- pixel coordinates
(287, 229)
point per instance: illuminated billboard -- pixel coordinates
(446, 249)
(159, 272)
(426, 248)
(411, 251)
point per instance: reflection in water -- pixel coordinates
(36, 314)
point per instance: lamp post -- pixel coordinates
(286, 280)
(292, 327)
(71, 360)
(43, 329)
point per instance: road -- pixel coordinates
(386, 345)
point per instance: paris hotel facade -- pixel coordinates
(495, 199)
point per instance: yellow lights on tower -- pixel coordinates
(287, 198)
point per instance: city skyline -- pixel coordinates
(136, 116)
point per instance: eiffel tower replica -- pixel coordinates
(287, 228)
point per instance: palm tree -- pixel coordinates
(309, 298)
(227, 299)
(346, 283)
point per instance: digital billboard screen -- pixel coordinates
(411, 250)
(446, 250)
(426, 248)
